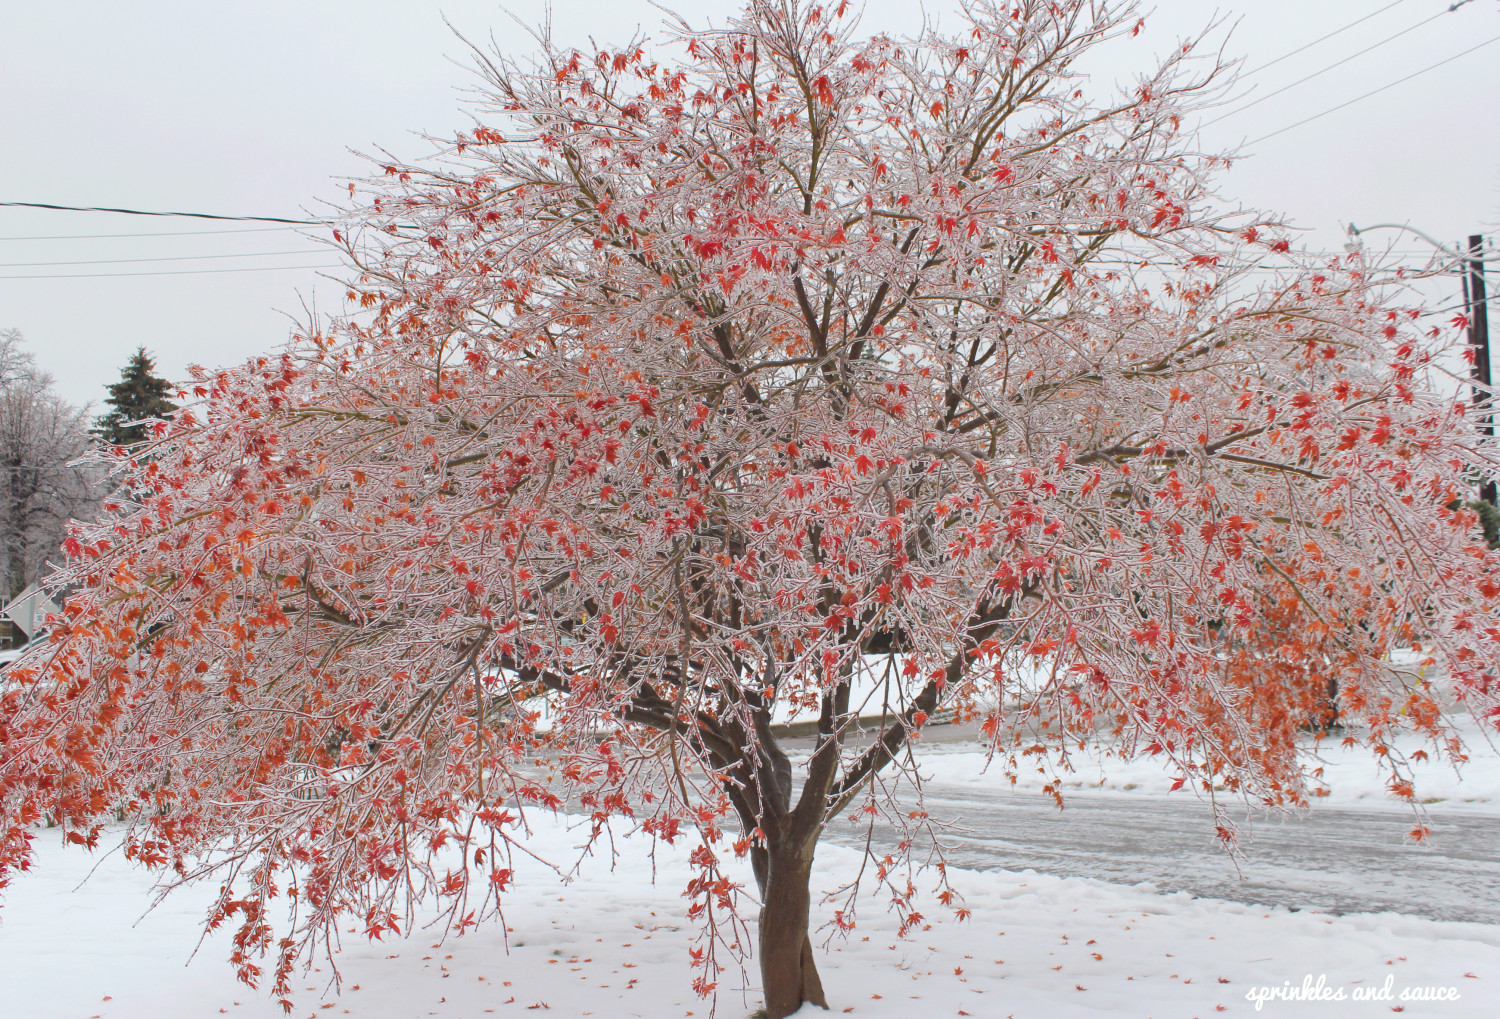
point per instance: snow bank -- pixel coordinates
(1350, 773)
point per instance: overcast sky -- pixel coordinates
(257, 109)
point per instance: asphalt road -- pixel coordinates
(1334, 860)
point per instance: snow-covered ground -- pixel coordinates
(1350, 774)
(615, 944)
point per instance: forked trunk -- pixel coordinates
(788, 974)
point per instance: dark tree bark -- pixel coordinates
(788, 972)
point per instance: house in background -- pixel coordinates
(22, 618)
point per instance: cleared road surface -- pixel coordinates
(1335, 860)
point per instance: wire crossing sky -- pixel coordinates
(144, 212)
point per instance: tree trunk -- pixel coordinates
(788, 974)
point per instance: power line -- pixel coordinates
(1337, 63)
(166, 233)
(1398, 81)
(1330, 35)
(173, 272)
(162, 258)
(142, 212)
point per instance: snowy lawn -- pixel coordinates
(615, 944)
(1351, 777)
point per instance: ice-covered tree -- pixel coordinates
(863, 376)
(41, 435)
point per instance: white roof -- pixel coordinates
(29, 610)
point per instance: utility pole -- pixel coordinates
(1479, 339)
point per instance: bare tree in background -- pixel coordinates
(40, 437)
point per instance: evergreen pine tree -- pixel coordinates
(1489, 519)
(139, 394)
